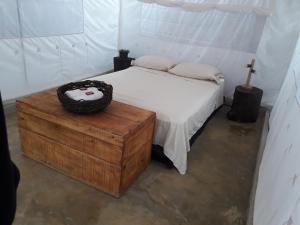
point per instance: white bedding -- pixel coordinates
(182, 105)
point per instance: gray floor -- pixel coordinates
(215, 190)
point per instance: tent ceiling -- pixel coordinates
(260, 7)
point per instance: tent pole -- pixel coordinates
(21, 41)
(120, 24)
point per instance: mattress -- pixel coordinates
(182, 105)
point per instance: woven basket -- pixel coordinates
(82, 106)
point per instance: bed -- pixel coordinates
(182, 105)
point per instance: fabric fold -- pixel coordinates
(198, 7)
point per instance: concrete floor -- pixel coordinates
(215, 190)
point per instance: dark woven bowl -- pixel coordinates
(85, 107)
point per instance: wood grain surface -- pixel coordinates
(107, 150)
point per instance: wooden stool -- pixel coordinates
(246, 104)
(122, 63)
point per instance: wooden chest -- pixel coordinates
(107, 150)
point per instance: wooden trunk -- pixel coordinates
(107, 150)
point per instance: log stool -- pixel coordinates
(246, 104)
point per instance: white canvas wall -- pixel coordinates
(51, 42)
(226, 40)
(276, 48)
(68, 40)
(229, 43)
(278, 198)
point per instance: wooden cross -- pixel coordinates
(251, 71)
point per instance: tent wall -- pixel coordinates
(226, 40)
(278, 198)
(226, 43)
(276, 48)
(47, 43)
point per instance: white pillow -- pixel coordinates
(154, 62)
(197, 71)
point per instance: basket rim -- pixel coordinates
(85, 106)
(63, 91)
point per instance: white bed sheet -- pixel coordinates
(182, 105)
